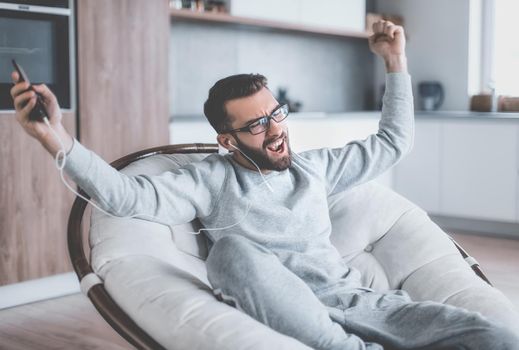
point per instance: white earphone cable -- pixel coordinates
(265, 181)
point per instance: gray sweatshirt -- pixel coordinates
(293, 221)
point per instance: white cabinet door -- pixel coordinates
(278, 10)
(479, 170)
(335, 14)
(195, 131)
(316, 133)
(417, 176)
(347, 15)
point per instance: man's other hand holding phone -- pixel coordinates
(25, 100)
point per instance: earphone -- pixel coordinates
(229, 143)
(259, 170)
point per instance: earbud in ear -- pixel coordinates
(229, 143)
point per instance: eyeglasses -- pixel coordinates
(262, 124)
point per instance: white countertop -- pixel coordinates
(376, 114)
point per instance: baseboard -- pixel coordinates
(38, 289)
(478, 227)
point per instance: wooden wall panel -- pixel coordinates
(123, 107)
(34, 206)
(123, 75)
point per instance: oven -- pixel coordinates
(40, 36)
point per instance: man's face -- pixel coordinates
(270, 150)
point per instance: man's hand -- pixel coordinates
(25, 100)
(388, 41)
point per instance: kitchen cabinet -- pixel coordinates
(332, 131)
(284, 10)
(463, 168)
(351, 25)
(349, 15)
(417, 176)
(34, 206)
(191, 130)
(479, 169)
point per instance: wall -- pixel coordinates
(438, 45)
(326, 73)
(122, 72)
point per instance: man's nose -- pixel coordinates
(275, 128)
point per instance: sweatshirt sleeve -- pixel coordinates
(362, 160)
(171, 198)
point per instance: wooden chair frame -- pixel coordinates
(97, 294)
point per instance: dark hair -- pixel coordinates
(232, 87)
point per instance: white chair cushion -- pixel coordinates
(157, 273)
(396, 246)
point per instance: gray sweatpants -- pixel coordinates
(251, 278)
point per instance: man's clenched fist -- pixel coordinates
(388, 41)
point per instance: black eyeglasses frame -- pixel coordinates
(265, 120)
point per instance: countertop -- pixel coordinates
(376, 114)
(466, 114)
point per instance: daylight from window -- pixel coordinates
(506, 59)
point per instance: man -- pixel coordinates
(265, 209)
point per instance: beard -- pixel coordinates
(261, 157)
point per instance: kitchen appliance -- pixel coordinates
(431, 95)
(293, 106)
(38, 34)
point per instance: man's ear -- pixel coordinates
(224, 140)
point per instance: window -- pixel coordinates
(506, 47)
(500, 46)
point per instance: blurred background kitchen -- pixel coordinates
(133, 74)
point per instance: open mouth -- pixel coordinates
(277, 146)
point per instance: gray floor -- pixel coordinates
(499, 260)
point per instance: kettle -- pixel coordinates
(431, 95)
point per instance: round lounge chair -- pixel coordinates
(149, 281)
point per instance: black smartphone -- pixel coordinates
(38, 112)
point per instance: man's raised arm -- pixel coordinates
(362, 160)
(171, 198)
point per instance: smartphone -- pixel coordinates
(38, 112)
